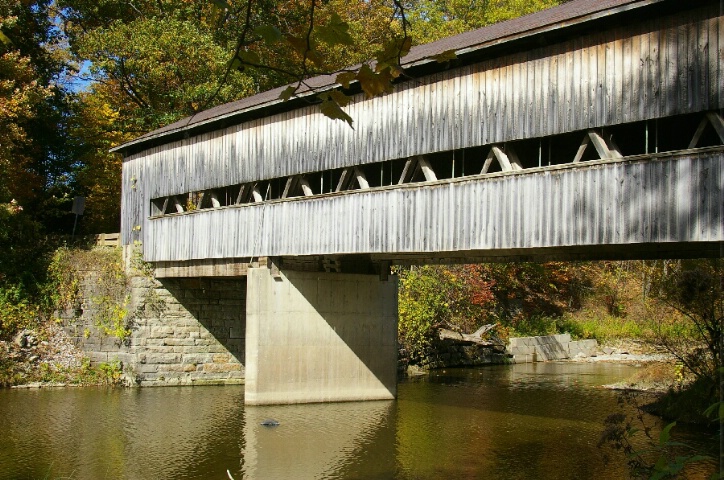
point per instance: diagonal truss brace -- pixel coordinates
(215, 203)
(716, 121)
(508, 161)
(345, 179)
(415, 165)
(294, 183)
(178, 205)
(604, 149)
(349, 176)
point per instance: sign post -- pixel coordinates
(78, 208)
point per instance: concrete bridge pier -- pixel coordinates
(320, 337)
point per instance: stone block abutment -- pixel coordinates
(181, 331)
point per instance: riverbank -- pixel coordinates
(46, 357)
(629, 351)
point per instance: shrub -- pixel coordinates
(430, 296)
(16, 311)
(693, 288)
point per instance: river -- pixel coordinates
(522, 421)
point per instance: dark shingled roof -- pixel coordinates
(567, 14)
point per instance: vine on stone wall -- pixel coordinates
(108, 283)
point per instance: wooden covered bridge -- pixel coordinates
(589, 130)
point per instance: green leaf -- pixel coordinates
(236, 64)
(392, 70)
(445, 56)
(659, 475)
(665, 434)
(714, 409)
(336, 32)
(287, 93)
(220, 4)
(392, 51)
(299, 44)
(331, 109)
(269, 33)
(374, 84)
(340, 98)
(5, 39)
(345, 78)
(249, 57)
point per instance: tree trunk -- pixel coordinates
(471, 339)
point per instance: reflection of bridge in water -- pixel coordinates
(319, 441)
(591, 130)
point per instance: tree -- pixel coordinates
(97, 125)
(35, 158)
(175, 58)
(164, 68)
(434, 19)
(21, 94)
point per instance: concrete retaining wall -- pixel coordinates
(549, 347)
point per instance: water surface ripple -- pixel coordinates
(527, 421)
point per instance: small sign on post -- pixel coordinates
(78, 208)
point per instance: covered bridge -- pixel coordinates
(589, 130)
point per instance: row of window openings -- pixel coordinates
(672, 133)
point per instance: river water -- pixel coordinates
(528, 421)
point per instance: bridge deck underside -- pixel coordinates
(611, 208)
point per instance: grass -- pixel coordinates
(605, 328)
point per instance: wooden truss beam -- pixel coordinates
(426, 168)
(715, 120)
(215, 203)
(508, 161)
(290, 186)
(256, 194)
(345, 179)
(178, 205)
(408, 170)
(415, 165)
(605, 149)
(243, 196)
(306, 189)
(361, 178)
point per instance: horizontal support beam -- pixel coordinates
(643, 251)
(670, 199)
(213, 267)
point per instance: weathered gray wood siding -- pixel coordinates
(676, 198)
(658, 68)
(135, 202)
